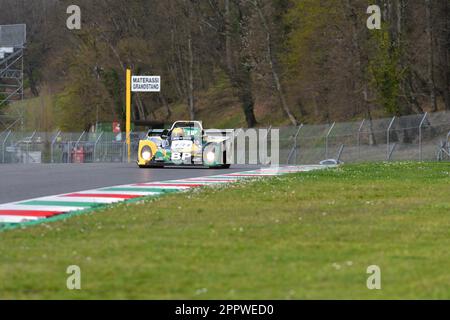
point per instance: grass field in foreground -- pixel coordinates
(306, 235)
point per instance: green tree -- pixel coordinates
(386, 72)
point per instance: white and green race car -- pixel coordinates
(186, 143)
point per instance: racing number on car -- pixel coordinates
(177, 156)
(181, 145)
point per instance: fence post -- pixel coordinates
(391, 152)
(27, 154)
(339, 154)
(126, 146)
(69, 152)
(52, 146)
(420, 134)
(444, 148)
(295, 146)
(28, 147)
(388, 153)
(359, 138)
(448, 144)
(79, 139)
(95, 147)
(326, 139)
(269, 129)
(3, 145)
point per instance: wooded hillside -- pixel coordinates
(237, 62)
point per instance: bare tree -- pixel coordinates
(273, 63)
(430, 36)
(237, 65)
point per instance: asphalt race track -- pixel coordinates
(21, 182)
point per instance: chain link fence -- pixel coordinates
(64, 147)
(415, 137)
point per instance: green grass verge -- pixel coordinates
(306, 235)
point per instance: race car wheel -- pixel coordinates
(151, 167)
(222, 166)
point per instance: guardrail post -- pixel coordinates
(3, 145)
(359, 138)
(420, 135)
(52, 146)
(388, 139)
(326, 139)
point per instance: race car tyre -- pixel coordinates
(151, 167)
(222, 166)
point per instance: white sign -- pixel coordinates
(181, 145)
(146, 83)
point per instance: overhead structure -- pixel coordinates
(12, 45)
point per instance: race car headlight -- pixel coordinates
(210, 156)
(146, 153)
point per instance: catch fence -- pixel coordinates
(423, 137)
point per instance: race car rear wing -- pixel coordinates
(219, 135)
(219, 132)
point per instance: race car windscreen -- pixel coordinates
(187, 130)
